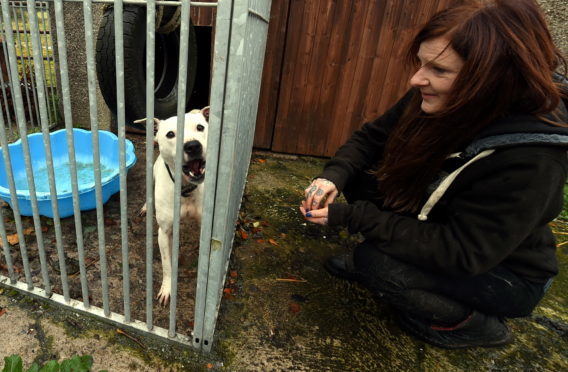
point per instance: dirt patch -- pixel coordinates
(136, 193)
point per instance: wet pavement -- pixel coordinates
(282, 312)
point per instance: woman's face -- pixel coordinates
(440, 66)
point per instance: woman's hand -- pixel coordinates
(319, 194)
(318, 216)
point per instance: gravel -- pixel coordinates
(557, 14)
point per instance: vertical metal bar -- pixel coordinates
(50, 63)
(33, 77)
(119, 60)
(247, 46)
(9, 82)
(20, 117)
(70, 142)
(182, 82)
(4, 99)
(92, 78)
(38, 62)
(26, 63)
(218, 95)
(3, 235)
(41, 11)
(150, 62)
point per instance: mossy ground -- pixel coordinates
(283, 311)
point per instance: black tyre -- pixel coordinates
(166, 66)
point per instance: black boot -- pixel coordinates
(477, 330)
(342, 266)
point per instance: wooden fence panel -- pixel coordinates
(341, 65)
(270, 86)
(203, 16)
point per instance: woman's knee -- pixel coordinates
(382, 272)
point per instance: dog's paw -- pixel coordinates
(163, 296)
(142, 212)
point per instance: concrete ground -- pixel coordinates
(283, 312)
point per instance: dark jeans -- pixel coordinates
(442, 298)
(431, 295)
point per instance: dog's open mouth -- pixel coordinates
(195, 170)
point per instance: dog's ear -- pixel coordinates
(156, 123)
(205, 112)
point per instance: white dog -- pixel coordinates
(193, 167)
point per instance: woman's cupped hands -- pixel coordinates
(318, 196)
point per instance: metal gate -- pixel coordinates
(240, 38)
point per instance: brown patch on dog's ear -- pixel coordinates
(156, 123)
(205, 112)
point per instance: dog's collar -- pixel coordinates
(187, 189)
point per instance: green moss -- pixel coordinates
(322, 323)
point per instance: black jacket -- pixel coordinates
(494, 211)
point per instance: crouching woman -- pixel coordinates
(454, 186)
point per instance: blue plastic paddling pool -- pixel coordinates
(109, 153)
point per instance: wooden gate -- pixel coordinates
(331, 66)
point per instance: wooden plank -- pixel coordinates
(330, 93)
(309, 107)
(203, 16)
(270, 86)
(355, 40)
(362, 86)
(294, 60)
(342, 66)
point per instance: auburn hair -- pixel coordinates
(509, 59)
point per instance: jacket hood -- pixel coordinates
(523, 129)
(524, 123)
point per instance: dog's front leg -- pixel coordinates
(165, 243)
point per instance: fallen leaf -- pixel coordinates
(261, 161)
(232, 281)
(109, 222)
(243, 234)
(256, 224)
(29, 231)
(191, 324)
(209, 365)
(233, 274)
(44, 228)
(2, 311)
(289, 280)
(272, 241)
(121, 332)
(228, 294)
(13, 239)
(283, 235)
(260, 241)
(294, 307)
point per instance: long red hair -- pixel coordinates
(509, 59)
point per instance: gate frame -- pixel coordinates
(241, 30)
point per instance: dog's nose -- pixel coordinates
(193, 148)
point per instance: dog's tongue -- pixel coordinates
(195, 167)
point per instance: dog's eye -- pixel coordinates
(200, 128)
(170, 134)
